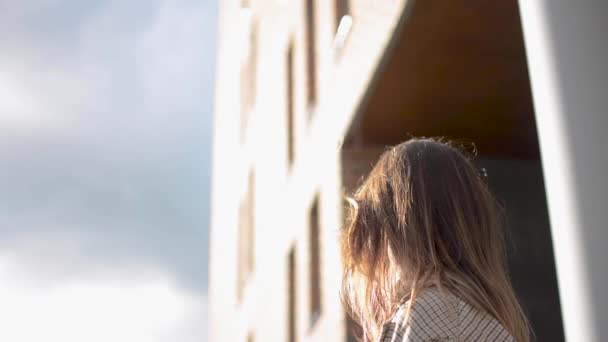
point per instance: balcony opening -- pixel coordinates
(458, 70)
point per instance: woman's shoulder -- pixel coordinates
(432, 317)
(440, 316)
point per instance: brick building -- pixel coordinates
(308, 94)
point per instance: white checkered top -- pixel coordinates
(440, 316)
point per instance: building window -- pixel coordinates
(311, 53)
(253, 63)
(251, 222)
(315, 263)
(291, 296)
(341, 10)
(241, 268)
(246, 236)
(290, 105)
(353, 330)
(248, 73)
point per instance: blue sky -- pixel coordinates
(105, 142)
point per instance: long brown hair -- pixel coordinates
(423, 217)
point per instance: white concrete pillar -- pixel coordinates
(566, 43)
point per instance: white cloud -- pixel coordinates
(137, 65)
(147, 310)
(36, 97)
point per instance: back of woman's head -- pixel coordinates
(423, 217)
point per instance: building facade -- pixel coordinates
(283, 70)
(310, 92)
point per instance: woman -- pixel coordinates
(424, 254)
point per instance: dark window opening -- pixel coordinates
(315, 264)
(353, 330)
(311, 54)
(290, 105)
(291, 296)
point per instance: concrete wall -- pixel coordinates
(567, 54)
